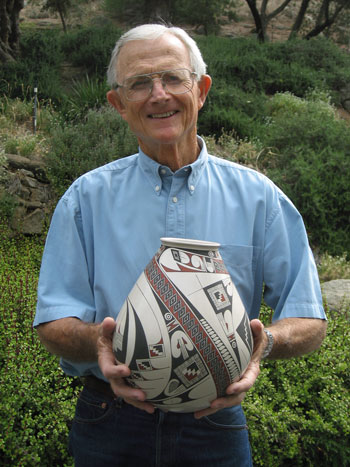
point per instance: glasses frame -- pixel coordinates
(158, 74)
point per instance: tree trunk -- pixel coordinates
(299, 19)
(328, 21)
(257, 19)
(61, 13)
(9, 29)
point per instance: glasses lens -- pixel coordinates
(177, 81)
(139, 87)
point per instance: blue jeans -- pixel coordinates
(112, 433)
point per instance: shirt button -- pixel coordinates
(157, 188)
(192, 188)
(174, 199)
(163, 171)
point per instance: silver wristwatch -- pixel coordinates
(269, 343)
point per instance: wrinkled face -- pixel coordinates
(162, 118)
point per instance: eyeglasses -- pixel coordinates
(139, 87)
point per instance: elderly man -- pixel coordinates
(106, 228)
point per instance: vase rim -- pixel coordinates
(189, 243)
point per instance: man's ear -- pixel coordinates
(204, 86)
(116, 101)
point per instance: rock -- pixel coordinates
(34, 223)
(27, 184)
(36, 167)
(336, 293)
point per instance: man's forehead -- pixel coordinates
(142, 56)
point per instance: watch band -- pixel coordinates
(269, 346)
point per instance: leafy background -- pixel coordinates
(274, 106)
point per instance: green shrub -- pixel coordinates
(7, 205)
(41, 46)
(203, 13)
(79, 147)
(272, 67)
(84, 96)
(91, 48)
(228, 108)
(36, 399)
(311, 165)
(333, 267)
(298, 410)
(38, 66)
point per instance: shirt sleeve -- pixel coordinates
(65, 288)
(291, 284)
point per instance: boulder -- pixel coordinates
(336, 293)
(26, 182)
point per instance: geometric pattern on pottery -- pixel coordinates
(184, 355)
(199, 331)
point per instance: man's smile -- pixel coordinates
(163, 115)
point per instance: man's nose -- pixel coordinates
(158, 89)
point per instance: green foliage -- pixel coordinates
(7, 202)
(91, 48)
(37, 67)
(79, 147)
(36, 399)
(298, 409)
(333, 267)
(311, 164)
(229, 108)
(206, 13)
(294, 66)
(7, 205)
(86, 95)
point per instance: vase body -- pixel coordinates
(183, 330)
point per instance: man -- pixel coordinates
(107, 227)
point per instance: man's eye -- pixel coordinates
(172, 78)
(139, 84)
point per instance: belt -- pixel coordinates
(98, 385)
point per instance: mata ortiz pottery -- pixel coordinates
(183, 330)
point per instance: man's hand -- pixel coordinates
(292, 337)
(116, 373)
(236, 391)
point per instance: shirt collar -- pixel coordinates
(153, 170)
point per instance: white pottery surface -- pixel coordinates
(183, 329)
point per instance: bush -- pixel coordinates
(333, 267)
(228, 108)
(91, 48)
(311, 165)
(272, 67)
(36, 399)
(84, 96)
(38, 66)
(298, 409)
(79, 147)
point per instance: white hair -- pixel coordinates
(154, 31)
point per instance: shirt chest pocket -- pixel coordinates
(241, 262)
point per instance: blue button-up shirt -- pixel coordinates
(108, 225)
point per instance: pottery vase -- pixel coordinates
(183, 330)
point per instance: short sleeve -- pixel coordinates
(291, 284)
(64, 288)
